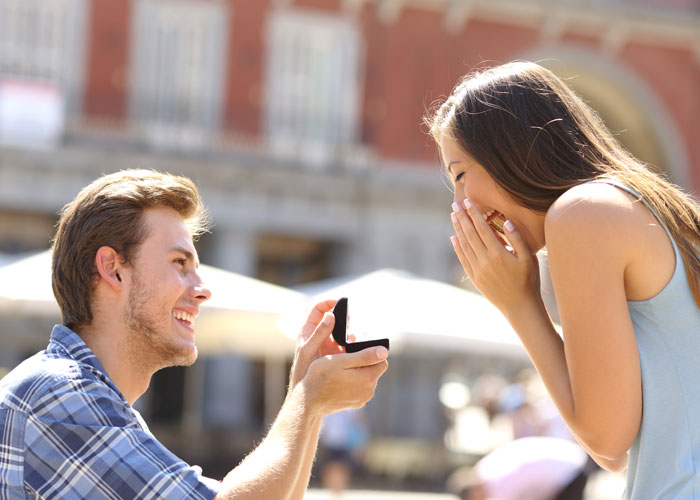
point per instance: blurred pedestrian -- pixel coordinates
(533, 166)
(530, 408)
(487, 393)
(517, 403)
(344, 436)
(534, 468)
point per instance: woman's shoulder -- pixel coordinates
(593, 206)
(595, 219)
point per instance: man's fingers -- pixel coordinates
(329, 346)
(309, 346)
(365, 357)
(320, 333)
(315, 317)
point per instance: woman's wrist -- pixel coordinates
(530, 308)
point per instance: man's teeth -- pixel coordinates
(488, 214)
(183, 316)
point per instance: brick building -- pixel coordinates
(301, 119)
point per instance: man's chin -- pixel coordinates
(176, 356)
(185, 358)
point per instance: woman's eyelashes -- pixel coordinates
(459, 176)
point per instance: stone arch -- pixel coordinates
(625, 102)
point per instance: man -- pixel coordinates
(125, 277)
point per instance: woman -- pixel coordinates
(534, 167)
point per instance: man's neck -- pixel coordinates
(111, 348)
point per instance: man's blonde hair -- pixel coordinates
(109, 212)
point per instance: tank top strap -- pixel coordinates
(624, 187)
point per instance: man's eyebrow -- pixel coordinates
(189, 255)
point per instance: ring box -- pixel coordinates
(340, 311)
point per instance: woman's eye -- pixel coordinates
(459, 176)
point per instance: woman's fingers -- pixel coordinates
(516, 241)
(468, 238)
(462, 258)
(483, 228)
(462, 247)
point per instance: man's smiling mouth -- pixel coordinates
(184, 317)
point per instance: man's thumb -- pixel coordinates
(321, 332)
(366, 357)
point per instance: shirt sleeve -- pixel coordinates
(83, 441)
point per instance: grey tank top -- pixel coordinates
(664, 461)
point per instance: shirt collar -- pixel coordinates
(69, 343)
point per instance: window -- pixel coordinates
(178, 58)
(289, 261)
(312, 83)
(41, 42)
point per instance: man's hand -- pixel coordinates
(324, 379)
(333, 380)
(340, 381)
(318, 326)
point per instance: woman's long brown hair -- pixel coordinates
(537, 139)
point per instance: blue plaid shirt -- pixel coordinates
(67, 432)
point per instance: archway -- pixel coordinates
(627, 105)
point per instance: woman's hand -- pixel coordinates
(505, 276)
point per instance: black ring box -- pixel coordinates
(340, 311)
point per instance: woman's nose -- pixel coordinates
(458, 196)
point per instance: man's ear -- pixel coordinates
(109, 265)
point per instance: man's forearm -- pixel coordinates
(274, 470)
(302, 482)
(279, 467)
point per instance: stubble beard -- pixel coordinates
(151, 347)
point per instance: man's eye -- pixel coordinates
(180, 261)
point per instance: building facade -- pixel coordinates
(301, 121)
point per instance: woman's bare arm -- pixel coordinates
(593, 374)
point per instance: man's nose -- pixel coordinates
(200, 291)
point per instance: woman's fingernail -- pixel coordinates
(456, 207)
(453, 216)
(381, 352)
(453, 240)
(467, 203)
(327, 319)
(509, 226)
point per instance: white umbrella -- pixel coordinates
(245, 315)
(242, 316)
(420, 314)
(6, 258)
(25, 287)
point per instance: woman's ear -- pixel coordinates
(109, 265)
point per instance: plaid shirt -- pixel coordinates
(67, 432)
